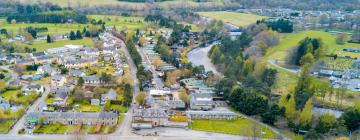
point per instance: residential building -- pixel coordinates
(58, 80)
(75, 118)
(32, 88)
(47, 69)
(92, 80)
(151, 116)
(110, 95)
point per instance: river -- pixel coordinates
(199, 56)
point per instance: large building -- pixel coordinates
(201, 101)
(74, 118)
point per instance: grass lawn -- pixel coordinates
(51, 129)
(243, 127)
(238, 19)
(89, 108)
(43, 45)
(11, 95)
(5, 125)
(52, 28)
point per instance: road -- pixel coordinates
(125, 126)
(273, 62)
(159, 84)
(33, 108)
(199, 56)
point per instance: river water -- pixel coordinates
(199, 56)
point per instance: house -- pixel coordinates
(24, 61)
(34, 77)
(78, 63)
(75, 118)
(61, 94)
(65, 49)
(47, 69)
(38, 54)
(201, 101)
(58, 80)
(33, 88)
(76, 73)
(158, 93)
(43, 59)
(153, 117)
(176, 104)
(110, 95)
(109, 50)
(92, 80)
(212, 115)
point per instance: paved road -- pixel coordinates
(159, 84)
(33, 108)
(273, 62)
(199, 56)
(125, 126)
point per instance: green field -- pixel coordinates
(52, 28)
(243, 127)
(75, 3)
(43, 45)
(120, 22)
(238, 19)
(286, 81)
(289, 41)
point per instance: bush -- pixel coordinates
(178, 118)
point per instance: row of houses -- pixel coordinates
(74, 118)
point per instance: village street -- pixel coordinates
(33, 108)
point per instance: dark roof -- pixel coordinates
(37, 54)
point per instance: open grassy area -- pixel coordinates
(242, 127)
(52, 28)
(290, 41)
(43, 45)
(131, 23)
(238, 19)
(286, 81)
(16, 96)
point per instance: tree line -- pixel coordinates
(49, 17)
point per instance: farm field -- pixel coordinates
(238, 19)
(240, 126)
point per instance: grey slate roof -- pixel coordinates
(69, 115)
(111, 94)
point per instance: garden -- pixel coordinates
(241, 126)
